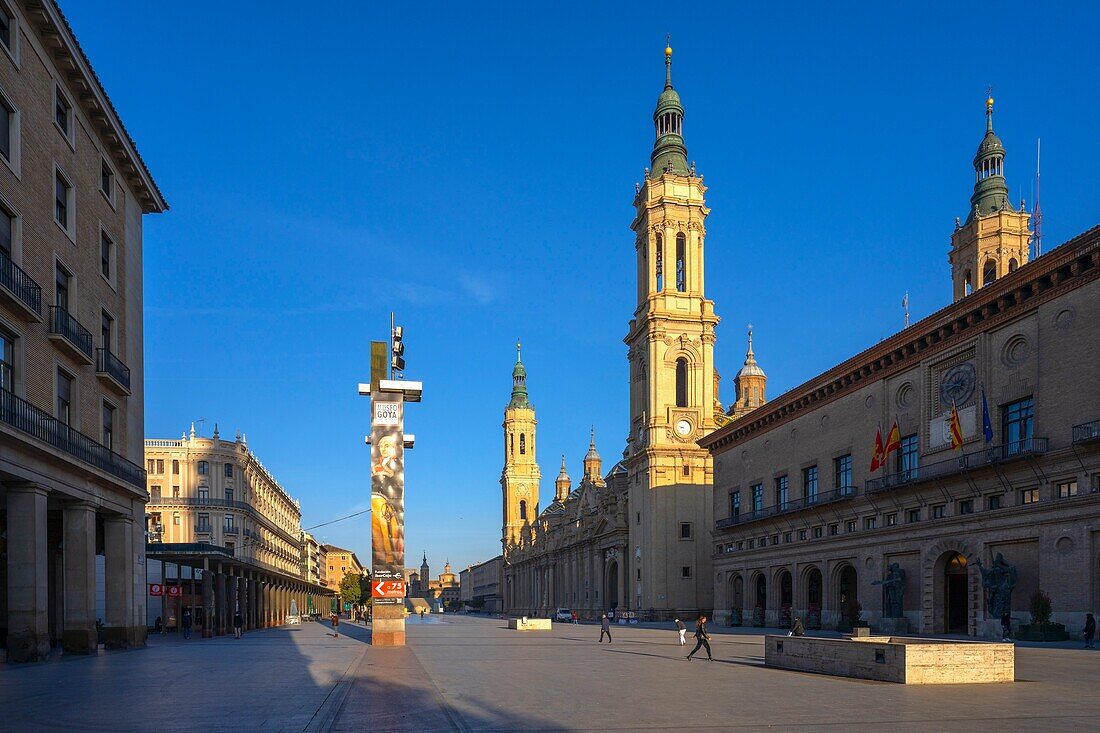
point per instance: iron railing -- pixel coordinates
(204, 528)
(791, 505)
(20, 284)
(63, 324)
(1086, 431)
(109, 364)
(213, 501)
(22, 415)
(185, 547)
(966, 462)
(231, 530)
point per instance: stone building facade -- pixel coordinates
(638, 537)
(314, 560)
(341, 562)
(73, 191)
(805, 528)
(224, 531)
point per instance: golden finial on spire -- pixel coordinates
(668, 45)
(989, 97)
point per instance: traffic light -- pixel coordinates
(397, 349)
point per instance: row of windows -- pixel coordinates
(156, 466)
(681, 263)
(1031, 495)
(1018, 427)
(65, 403)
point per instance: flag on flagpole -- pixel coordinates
(956, 428)
(987, 424)
(893, 441)
(878, 460)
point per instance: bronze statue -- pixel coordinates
(894, 585)
(998, 582)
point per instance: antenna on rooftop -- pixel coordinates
(1037, 212)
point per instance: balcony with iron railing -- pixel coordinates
(220, 502)
(20, 288)
(204, 528)
(785, 507)
(231, 529)
(992, 455)
(185, 548)
(110, 369)
(67, 332)
(25, 417)
(1086, 432)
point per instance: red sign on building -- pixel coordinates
(173, 591)
(156, 589)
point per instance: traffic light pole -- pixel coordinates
(388, 442)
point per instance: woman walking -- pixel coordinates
(702, 639)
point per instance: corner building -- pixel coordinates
(636, 538)
(805, 528)
(73, 191)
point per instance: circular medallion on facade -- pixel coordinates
(824, 422)
(870, 401)
(1064, 545)
(905, 396)
(1015, 351)
(1064, 319)
(957, 384)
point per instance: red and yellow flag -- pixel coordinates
(956, 429)
(878, 460)
(893, 441)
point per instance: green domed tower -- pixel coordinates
(669, 152)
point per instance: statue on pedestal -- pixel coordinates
(894, 586)
(998, 581)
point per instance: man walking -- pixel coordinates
(187, 623)
(681, 631)
(605, 628)
(702, 639)
(1090, 630)
(573, 616)
(238, 624)
(335, 625)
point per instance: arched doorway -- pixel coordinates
(737, 600)
(761, 603)
(611, 593)
(786, 598)
(813, 599)
(847, 597)
(956, 608)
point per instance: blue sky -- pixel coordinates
(472, 167)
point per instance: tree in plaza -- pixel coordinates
(351, 588)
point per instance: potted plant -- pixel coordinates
(735, 617)
(1041, 628)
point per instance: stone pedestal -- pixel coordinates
(388, 626)
(892, 626)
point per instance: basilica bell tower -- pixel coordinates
(519, 480)
(671, 355)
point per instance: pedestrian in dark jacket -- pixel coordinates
(605, 628)
(702, 639)
(797, 629)
(335, 624)
(186, 623)
(238, 624)
(681, 630)
(1090, 630)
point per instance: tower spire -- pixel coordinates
(669, 152)
(519, 383)
(668, 61)
(990, 191)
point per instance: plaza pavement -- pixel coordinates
(472, 674)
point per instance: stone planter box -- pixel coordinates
(529, 624)
(1042, 632)
(895, 659)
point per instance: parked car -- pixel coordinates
(563, 614)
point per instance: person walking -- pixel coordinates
(797, 629)
(605, 628)
(238, 624)
(702, 639)
(186, 623)
(681, 631)
(335, 625)
(573, 616)
(1090, 630)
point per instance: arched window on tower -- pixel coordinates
(511, 444)
(989, 272)
(523, 510)
(681, 262)
(968, 283)
(660, 263)
(681, 382)
(522, 444)
(1013, 264)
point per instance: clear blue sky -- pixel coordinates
(472, 167)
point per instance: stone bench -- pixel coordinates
(907, 660)
(529, 624)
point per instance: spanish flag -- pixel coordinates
(893, 441)
(878, 460)
(956, 428)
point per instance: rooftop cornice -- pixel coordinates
(58, 37)
(1067, 267)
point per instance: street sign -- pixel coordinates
(387, 589)
(174, 591)
(156, 589)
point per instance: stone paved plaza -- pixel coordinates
(468, 673)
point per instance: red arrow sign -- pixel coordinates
(388, 589)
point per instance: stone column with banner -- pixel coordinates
(388, 443)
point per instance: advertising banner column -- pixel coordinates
(387, 517)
